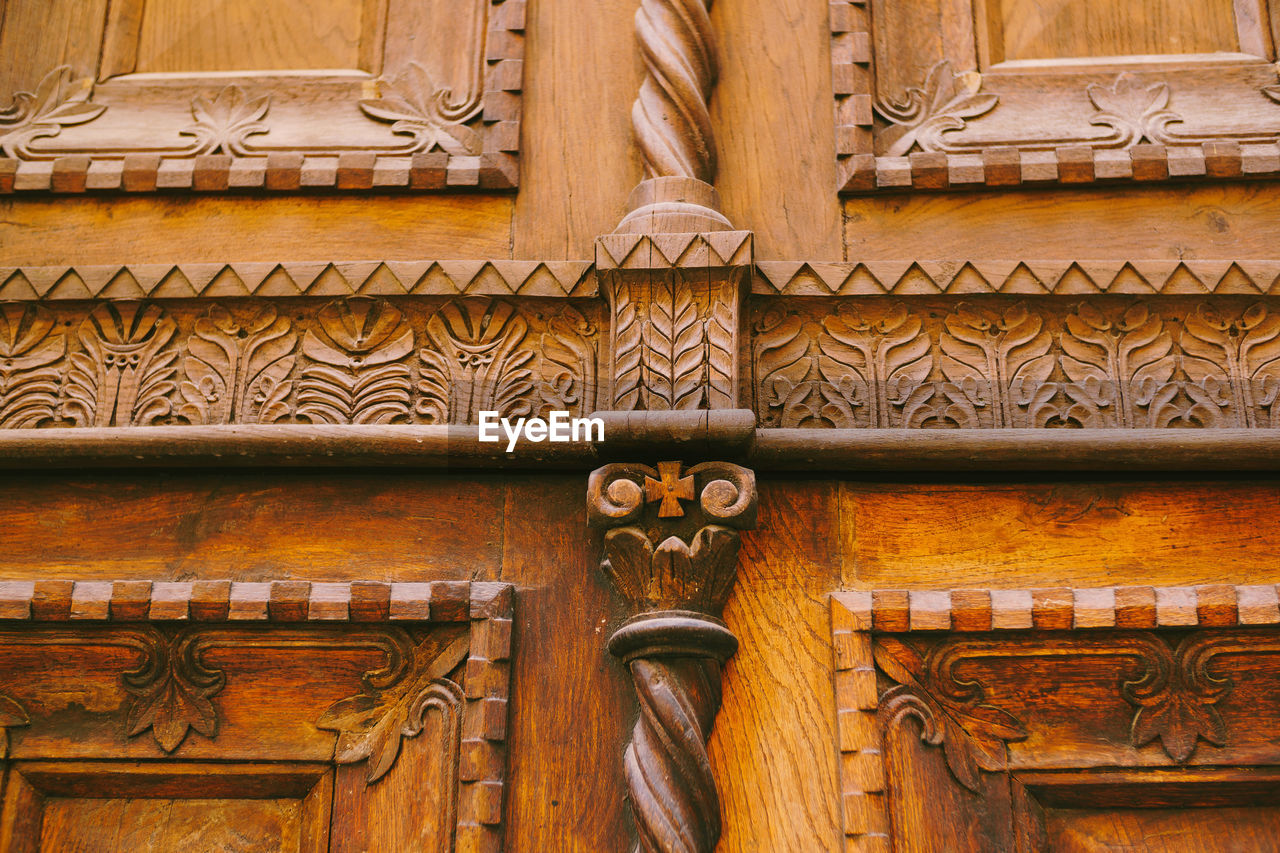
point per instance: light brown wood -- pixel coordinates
(158, 230)
(216, 35)
(70, 31)
(1235, 220)
(1040, 30)
(1040, 535)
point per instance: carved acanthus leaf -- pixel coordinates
(357, 375)
(787, 388)
(567, 379)
(874, 367)
(59, 101)
(372, 724)
(944, 104)
(480, 350)
(1133, 111)
(426, 111)
(1116, 366)
(998, 361)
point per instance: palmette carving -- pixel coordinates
(238, 368)
(30, 347)
(1102, 363)
(482, 355)
(224, 122)
(358, 376)
(124, 374)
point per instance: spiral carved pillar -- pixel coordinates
(672, 123)
(671, 547)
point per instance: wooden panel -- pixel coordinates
(1093, 534)
(582, 162)
(773, 74)
(36, 35)
(124, 826)
(771, 749)
(166, 230)
(1181, 830)
(235, 35)
(1036, 29)
(397, 527)
(1229, 221)
(574, 703)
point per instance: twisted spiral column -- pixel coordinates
(675, 659)
(672, 123)
(670, 116)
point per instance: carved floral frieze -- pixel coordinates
(1007, 363)
(359, 360)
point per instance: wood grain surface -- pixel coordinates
(245, 228)
(1055, 534)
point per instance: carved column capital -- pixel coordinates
(671, 548)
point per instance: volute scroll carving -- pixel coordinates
(670, 548)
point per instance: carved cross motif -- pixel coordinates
(670, 489)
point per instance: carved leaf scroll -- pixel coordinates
(420, 108)
(372, 724)
(943, 104)
(59, 101)
(874, 366)
(986, 351)
(357, 375)
(478, 360)
(972, 733)
(238, 367)
(30, 346)
(1118, 367)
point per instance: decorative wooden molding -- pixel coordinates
(398, 129)
(440, 648)
(979, 674)
(1018, 363)
(1066, 122)
(1032, 277)
(671, 546)
(676, 302)
(496, 277)
(355, 360)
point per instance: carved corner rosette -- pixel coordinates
(670, 548)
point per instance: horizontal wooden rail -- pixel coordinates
(847, 451)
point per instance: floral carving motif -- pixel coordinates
(1221, 347)
(481, 357)
(238, 367)
(1119, 368)
(59, 101)
(372, 724)
(224, 122)
(944, 104)
(30, 347)
(125, 373)
(997, 361)
(172, 691)
(875, 364)
(1134, 112)
(426, 111)
(357, 376)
